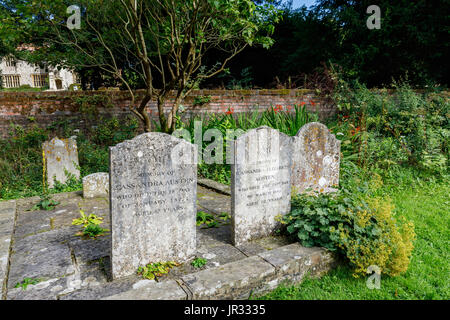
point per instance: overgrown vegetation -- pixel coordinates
(26, 282)
(207, 220)
(45, 203)
(393, 138)
(421, 199)
(391, 128)
(21, 164)
(357, 223)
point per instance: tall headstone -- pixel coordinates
(153, 188)
(260, 183)
(316, 156)
(61, 157)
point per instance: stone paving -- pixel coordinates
(43, 245)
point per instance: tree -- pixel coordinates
(154, 42)
(412, 42)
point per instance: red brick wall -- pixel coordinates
(42, 108)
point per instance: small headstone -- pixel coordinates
(260, 183)
(153, 180)
(96, 185)
(316, 156)
(61, 156)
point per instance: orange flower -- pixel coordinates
(312, 102)
(278, 108)
(302, 103)
(230, 111)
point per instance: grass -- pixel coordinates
(424, 203)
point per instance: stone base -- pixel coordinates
(44, 247)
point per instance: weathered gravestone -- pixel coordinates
(260, 183)
(316, 156)
(96, 185)
(61, 157)
(153, 188)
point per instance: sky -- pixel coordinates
(299, 3)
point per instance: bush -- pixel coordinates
(395, 128)
(357, 224)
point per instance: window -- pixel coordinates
(10, 62)
(39, 80)
(11, 81)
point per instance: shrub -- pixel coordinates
(395, 128)
(357, 224)
(21, 166)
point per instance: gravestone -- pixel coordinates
(315, 162)
(260, 183)
(96, 185)
(153, 189)
(61, 156)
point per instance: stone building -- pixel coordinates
(16, 73)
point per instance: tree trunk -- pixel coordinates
(145, 117)
(162, 116)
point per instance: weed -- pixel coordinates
(26, 282)
(199, 262)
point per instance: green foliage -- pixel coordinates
(72, 184)
(207, 219)
(21, 162)
(388, 129)
(199, 262)
(153, 271)
(357, 223)
(26, 282)
(163, 55)
(93, 231)
(211, 221)
(21, 154)
(85, 220)
(201, 100)
(45, 203)
(90, 104)
(90, 225)
(335, 31)
(420, 199)
(244, 81)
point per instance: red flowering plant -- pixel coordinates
(278, 107)
(230, 111)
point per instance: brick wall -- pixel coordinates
(43, 108)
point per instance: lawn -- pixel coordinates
(424, 203)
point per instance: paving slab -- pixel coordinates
(152, 290)
(212, 201)
(233, 280)
(106, 290)
(44, 246)
(7, 220)
(44, 255)
(215, 186)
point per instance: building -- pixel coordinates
(16, 73)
